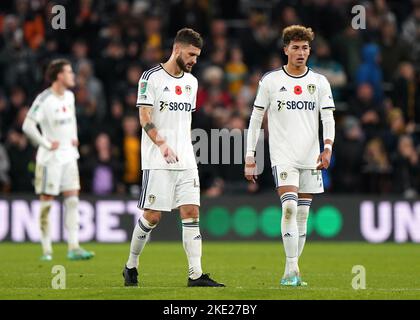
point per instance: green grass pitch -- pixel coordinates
(250, 270)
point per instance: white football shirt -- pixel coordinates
(56, 116)
(293, 105)
(173, 99)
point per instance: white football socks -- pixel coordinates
(72, 221)
(44, 223)
(290, 232)
(302, 219)
(139, 239)
(191, 239)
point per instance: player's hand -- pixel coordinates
(169, 155)
(250, 169)
(54, 145)
(75, 142)
(324, 159)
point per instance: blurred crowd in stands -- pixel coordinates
(374, 74)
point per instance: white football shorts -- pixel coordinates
(52, 179)
(306, 180)
(164, 190)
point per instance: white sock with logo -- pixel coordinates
(191, 239)
(302, 220)
(290, 232)
(44, 224)
(141, 235)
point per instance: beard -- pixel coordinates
(181, 64)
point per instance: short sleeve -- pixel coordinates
(36, 111)
(262, 100)
(145, 95)
(326, 100)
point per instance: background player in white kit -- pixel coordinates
(294, 97)
(56, 161)
(166, 99)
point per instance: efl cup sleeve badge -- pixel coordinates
(311, 88)
(188, 89)
(178, 90)
(143, 87)
(298, 89)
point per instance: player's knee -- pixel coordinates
(71, 193)
(153, 220)
(152, 217)
(190, 212)
(46, 197)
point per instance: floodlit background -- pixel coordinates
(362, 232)
(374, 179)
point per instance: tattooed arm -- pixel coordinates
(145, 114)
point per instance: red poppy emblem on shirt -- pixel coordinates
(64, 109)
(298, 89)
(178, 90)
